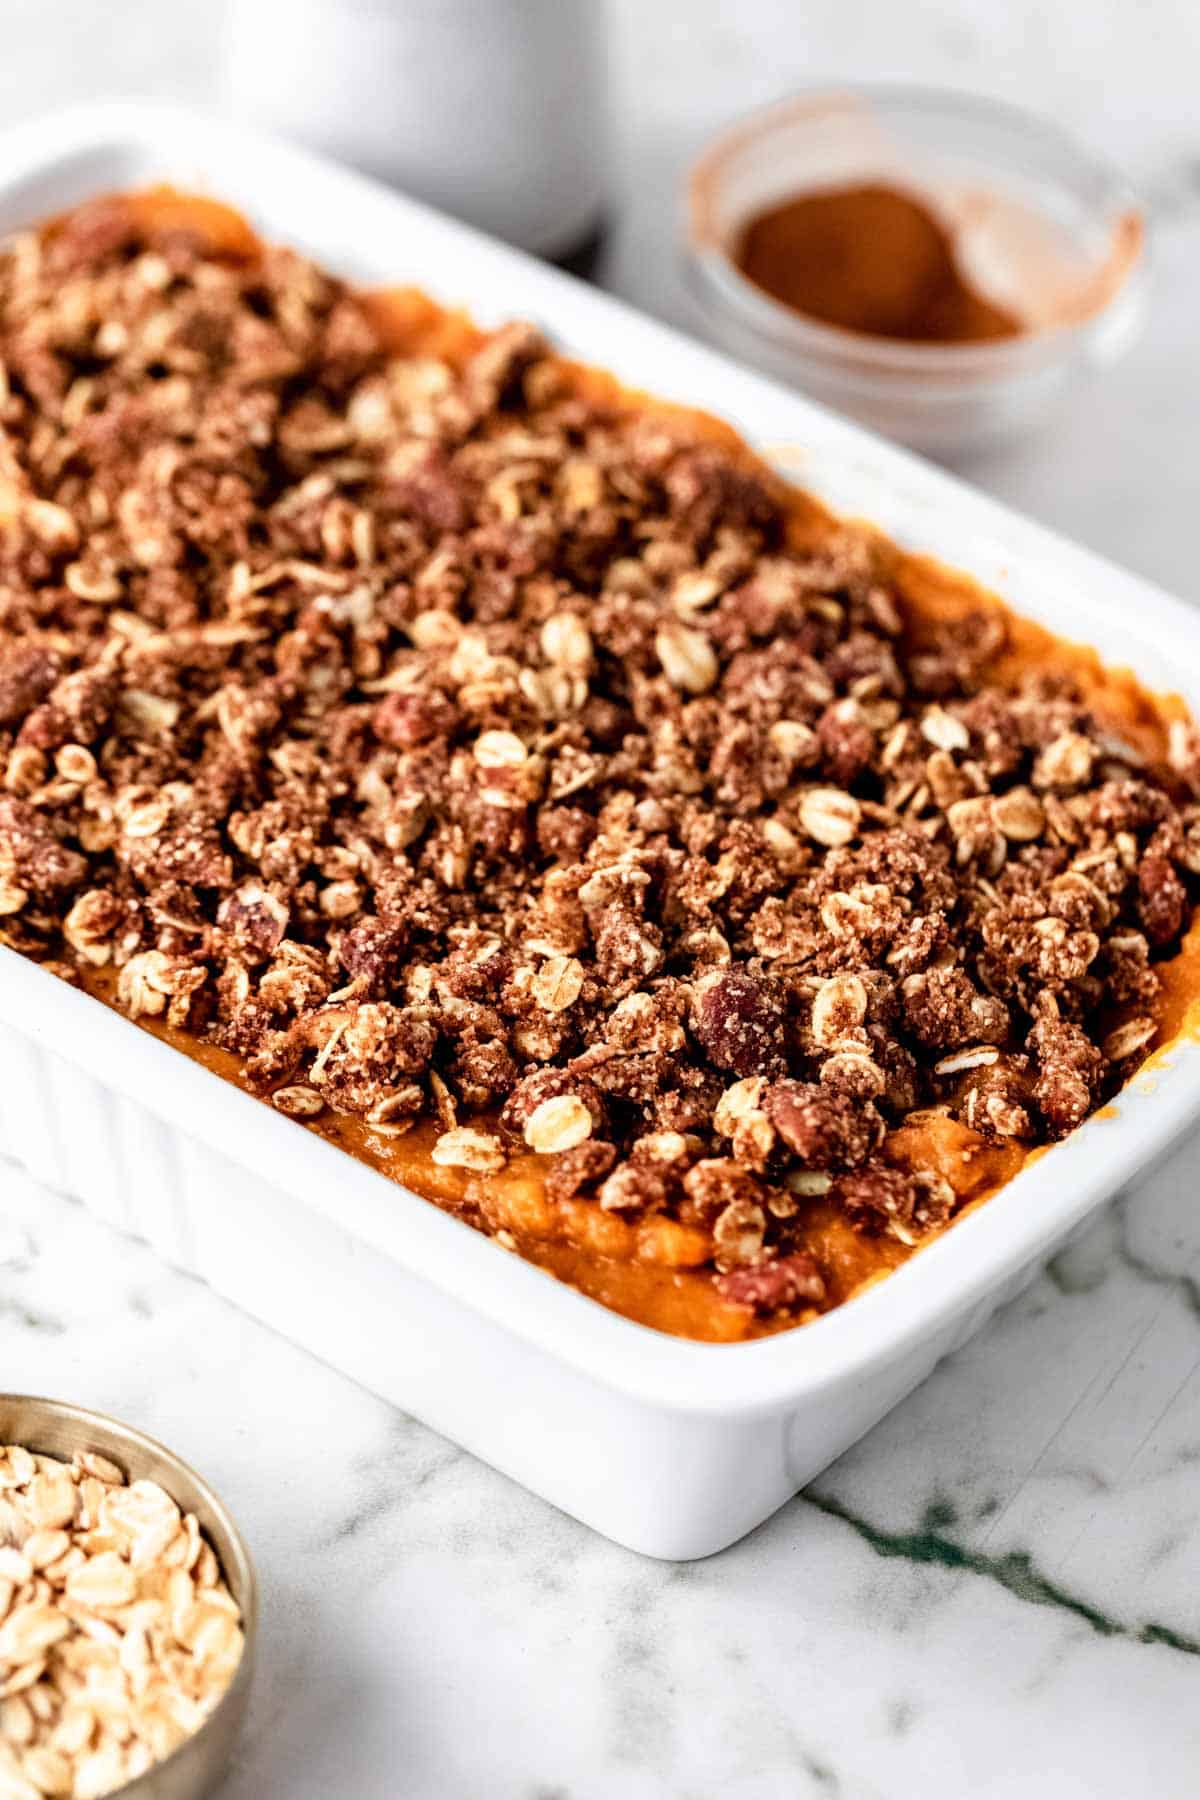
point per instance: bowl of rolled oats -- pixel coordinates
(128, 1608)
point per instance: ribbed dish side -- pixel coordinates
(77, 1135)
(366, 1315)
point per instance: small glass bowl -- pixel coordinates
(1053, 229)
(56, 1428)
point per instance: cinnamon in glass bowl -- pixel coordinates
(948, 270)
(873, 259)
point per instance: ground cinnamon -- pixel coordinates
(869, 259)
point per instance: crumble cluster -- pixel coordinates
(447, 741)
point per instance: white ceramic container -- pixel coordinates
(673, 1448)
(493, 109)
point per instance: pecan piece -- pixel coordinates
(541, 1085)
(880, 1197)
(825, 1128)
(408, 719)
(781, 1286)
(570, 1172)
(739, 1020)
(370, 952)
(255, 919)
(27, 673)
(36, 857)
(1162, 900)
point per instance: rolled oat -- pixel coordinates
(558, 1124)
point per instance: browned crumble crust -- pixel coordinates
(445, 743)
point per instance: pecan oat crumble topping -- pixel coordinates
(453, 739)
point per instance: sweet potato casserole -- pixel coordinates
(506, 776)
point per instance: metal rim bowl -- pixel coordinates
(56, 1428)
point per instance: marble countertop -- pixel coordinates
(995, 1593)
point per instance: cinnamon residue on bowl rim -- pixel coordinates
(709, 237)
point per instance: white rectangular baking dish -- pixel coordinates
(673, 1448)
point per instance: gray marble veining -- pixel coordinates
(959, 1596)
